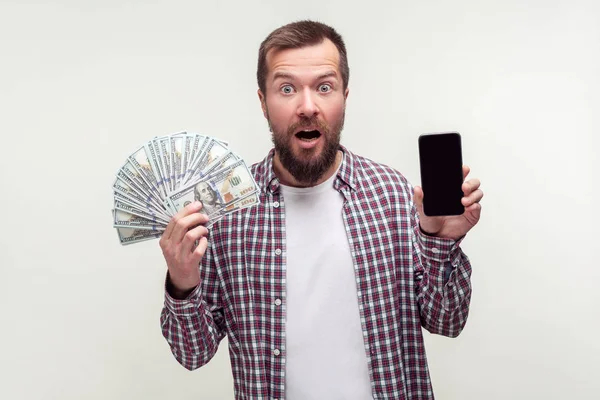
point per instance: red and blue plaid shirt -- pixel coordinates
(406, 280)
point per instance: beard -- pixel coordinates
(304, 167)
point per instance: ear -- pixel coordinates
(346, 92)
(263, 102)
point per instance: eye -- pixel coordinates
(287, 89)
(324, 88)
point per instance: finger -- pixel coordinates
(473, 198)
(190, 208)
(470, 186)
(466, 170)
(474, 210)
(200, 250)
(184, 224)
(190, 237)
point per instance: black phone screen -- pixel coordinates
(440, 157)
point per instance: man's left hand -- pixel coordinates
(455, 226)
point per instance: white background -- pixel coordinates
(83, 83)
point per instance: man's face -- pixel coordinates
(305, 106)
(205, 194)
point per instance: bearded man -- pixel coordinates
(324, 287)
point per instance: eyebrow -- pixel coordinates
(286, 75)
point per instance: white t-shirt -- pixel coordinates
(326, 356)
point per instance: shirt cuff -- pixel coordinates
(436, 248)
(182, 307)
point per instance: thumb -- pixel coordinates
(418, 198)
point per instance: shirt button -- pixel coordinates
(276, 352)
(278, 252)
(435, 250)
(277, 302)
(276, 204)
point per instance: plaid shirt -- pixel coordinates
(405, 279)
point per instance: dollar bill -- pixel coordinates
(224, 162)
(223, 188)
(119, 205)
(123, 188)
(211, 157)
(148, 208)
(122, 219)
(188, 141)
(188, 195)
(154, 159)
(136, 235)
(164, 150)
(176, 146)
(233, 183)
(159, 160)
(197, 157)
(197, 145)
(130, 175)
(141, 162)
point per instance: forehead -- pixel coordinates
(306, 61)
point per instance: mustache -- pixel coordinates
(307, 122)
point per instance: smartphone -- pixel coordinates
(440, 158)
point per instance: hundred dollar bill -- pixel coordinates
(127, 191)
(213, 154)
(141, 162)
(224, 162)
(131, 175)
(134, 235)
(144, 207)
(217, 214)
(198, 192)
(188, 150)
(233, 183)
(197, 144)
(119, 205)
(122, 219)
(198, 153)
(176, 146)
(164, 151)
(223, 188)
(154, 159)
(155, 144)
(209, 153)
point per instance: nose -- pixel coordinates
(307, 107)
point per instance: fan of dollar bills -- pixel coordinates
(170, 172)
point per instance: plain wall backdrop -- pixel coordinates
(83, 83)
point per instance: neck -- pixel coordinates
(287, 179)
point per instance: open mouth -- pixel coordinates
(308, 135)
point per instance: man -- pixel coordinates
(322, 288)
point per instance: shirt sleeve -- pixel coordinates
(442, 281)
(194, 326)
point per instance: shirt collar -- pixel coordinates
(346, 174)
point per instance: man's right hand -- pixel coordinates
(178, 246)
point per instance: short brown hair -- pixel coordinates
(296, 35)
